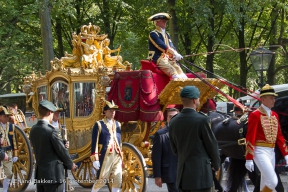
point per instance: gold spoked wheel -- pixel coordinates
(23, 167)
(134, 170)
(85, 175)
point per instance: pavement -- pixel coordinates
(151, 187)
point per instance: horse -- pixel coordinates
(230, 135)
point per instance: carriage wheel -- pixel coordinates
(85, 174)
(23, 167)
(134, 170)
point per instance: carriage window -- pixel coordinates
(42, 93)
(84, 98)
(60, 96)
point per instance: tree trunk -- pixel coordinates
(58, 30)
(272, 41)
(46, 32)
(210, 57)
(242, 54)
(173, 30)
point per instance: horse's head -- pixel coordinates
(281, 108)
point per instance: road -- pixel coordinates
(151, 187)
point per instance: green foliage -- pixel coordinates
(204, 26)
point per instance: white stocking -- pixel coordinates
(115, 189)
(6, 183)
(93, 189)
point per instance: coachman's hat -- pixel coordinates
(48, 105)
(58, 108)
(267, 90)
(110, 105)
(236, 108)
(191, 92)
(160, 16)
(4, 111)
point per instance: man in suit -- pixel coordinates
(50, 152)
(193, 141)
(161, 49)
(163, 159)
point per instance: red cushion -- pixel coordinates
(150, 65)
(160, 77)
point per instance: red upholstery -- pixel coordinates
(160, 77)
(150, 65)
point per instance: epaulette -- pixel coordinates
(202, 113)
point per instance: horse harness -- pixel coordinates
(242, 121)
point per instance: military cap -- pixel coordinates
(4, 111)
(191, 92)
(48, 105)
(160, 16)
(110, 105)
(267, 90)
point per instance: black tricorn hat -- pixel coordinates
(236, 108)
(4, 111)
(110, 105)
(160, 16)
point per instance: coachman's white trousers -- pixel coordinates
(264, 158)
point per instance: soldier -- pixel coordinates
(263, 133)
(9, 145)
(106, 150)
(193, 141)
(56, 124)
(50, 152)
(161, 49)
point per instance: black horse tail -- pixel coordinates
(235, 175)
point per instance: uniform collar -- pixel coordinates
(106, 120)
(266, 109)
(55, 124)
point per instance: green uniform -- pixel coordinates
(51, 155)
(193, 141)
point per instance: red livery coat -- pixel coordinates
(264, 131)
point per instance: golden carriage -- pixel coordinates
(78, 83)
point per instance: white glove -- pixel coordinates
(249, 165)
(178, 56)
(14, 159)
(286, 159)
(96, 164)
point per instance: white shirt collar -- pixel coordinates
(268, 110)
(55, 124)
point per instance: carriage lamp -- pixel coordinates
(260, 59)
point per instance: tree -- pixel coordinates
(46, 32)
